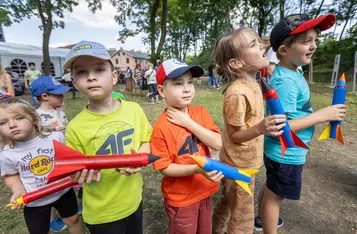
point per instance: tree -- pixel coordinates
(146, 15)
(16, 10)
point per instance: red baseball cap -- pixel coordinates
(298, 23)
(174, 68)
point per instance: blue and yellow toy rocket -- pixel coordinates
(333, 130)
(241, 177)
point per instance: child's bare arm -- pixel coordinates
(330, 113)
(209, 138)
(144, 148)
(178, 170)
(271, 125)
(14, 183)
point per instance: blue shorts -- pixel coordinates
(283, 179)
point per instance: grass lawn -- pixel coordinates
(328, 203)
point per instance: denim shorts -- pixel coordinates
(283, 179)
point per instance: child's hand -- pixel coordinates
(13, 198)
(272, 124)
(178, 117)
(333, 113)
(211, 175)
(128, 171)
(86, 176)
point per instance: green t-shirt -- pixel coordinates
(32, 75)
(116, 196)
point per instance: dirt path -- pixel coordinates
(329, 196)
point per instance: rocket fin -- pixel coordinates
(339, 136)
(326, 133)
(245, 186)
(283, 145)
(62, 151)
(62, 171)
(297, 141)
(248, 172)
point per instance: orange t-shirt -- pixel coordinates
(175, 144)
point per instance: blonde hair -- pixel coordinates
(150, 66)
(229, 47)
(2, 78)
(24, 109)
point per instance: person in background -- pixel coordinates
(67, 78)
(31, 74)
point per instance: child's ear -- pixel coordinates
(235, 63)
(44, 96)
(160, 89)
(74, 83)
(115, 77)
(282, 50)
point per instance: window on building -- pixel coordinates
(123, 54)
(136, 61)
(116, 61)
(19, 66)
(52, 69)
(127, 60)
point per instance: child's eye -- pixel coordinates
(178, 83)
(190, 81)
(99, 69)
(80, 72)
(2, 123)
(20, 118)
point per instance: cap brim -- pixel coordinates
(322, 23)
(61, 90)
(68, 63)
(196, 71)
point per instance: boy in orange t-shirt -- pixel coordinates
(184, 130)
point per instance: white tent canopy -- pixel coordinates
(17, 56)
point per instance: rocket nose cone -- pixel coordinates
(265, 86)
(200, 160)
(343, 77)
(153, 158)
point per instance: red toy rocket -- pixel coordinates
(45, 191)
(68, 161)
(288, 139)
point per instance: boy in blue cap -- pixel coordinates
(49, 93)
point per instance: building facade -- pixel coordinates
(124, 58)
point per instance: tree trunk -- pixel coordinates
(46, 53)
(163, 27)
(348, 15)
(319, 9)
(282, 9)
(47, 24)
(153, 12)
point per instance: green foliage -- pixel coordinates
(326, 51)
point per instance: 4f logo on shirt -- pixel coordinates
(114, 138)
(115, 143)
(189, 146)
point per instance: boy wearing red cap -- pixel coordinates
(183, 130)
(294, 41)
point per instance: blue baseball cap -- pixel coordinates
(87, 48)
(47, 84)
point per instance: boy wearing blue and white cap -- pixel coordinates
(106, 126)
